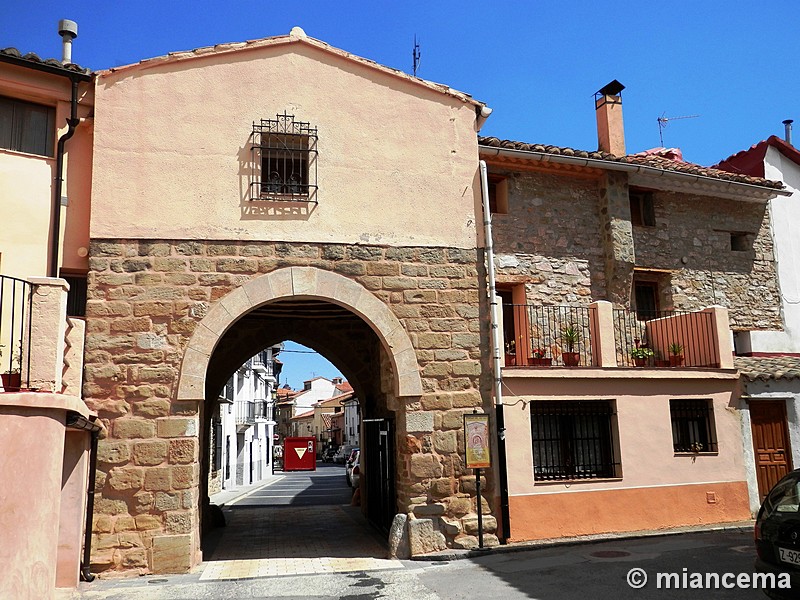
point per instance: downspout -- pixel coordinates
(86, 573)
(72, 122)
(496, 366)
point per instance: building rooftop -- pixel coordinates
(33, 60)
(765, 368)
(665, 159)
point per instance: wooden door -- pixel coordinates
(770, 442)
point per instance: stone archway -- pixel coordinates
(298, 282)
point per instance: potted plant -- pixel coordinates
(675, 355)
(540, 358)
(570, 337)
(641, 355)
(511, 353)
(12, 379)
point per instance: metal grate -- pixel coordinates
(573, 440)
(537, 335)
(16, 304)
(693, 426)
(284, 160)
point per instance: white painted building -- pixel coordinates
(352, 422)
(769, 361)
(244, 424)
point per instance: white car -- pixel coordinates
(350, 467)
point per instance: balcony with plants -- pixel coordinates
(599, 336)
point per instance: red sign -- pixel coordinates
(299, 454)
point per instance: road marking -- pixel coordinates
(253, 491)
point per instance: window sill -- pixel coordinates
(696, 453)
(304, 198)
(574, 481)
(27, 154)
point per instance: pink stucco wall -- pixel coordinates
(651, 471)
(191, 119)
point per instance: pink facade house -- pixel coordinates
(47, 432)
(621, 277)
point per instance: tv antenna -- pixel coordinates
(662, 124)
(416, 54)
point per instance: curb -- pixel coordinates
(455, 554)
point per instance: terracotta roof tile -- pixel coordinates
(768, 367)
(34, 58)
(651, 158)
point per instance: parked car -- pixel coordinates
(342, 454)
(352, 461)
(777, 535)
(355, 475)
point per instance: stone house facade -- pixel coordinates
(378, 250)
(641, 255)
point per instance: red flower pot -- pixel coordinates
(11, 381)
(571, 359)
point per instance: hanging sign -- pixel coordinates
(476, 440)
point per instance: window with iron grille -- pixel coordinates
(573, 440)
(27, 127)
(693, 426)
(284, 160)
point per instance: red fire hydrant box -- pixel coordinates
(299, 454)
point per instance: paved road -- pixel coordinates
(297, 537)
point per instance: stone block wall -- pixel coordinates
(569, 239)
(551, 239)
(145, 301)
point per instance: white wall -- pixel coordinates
(785, 219)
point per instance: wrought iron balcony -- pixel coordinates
(245, 412)
(15, 332)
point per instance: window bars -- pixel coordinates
(573, 440)
(284, 160)
(693, 426)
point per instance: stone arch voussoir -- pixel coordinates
(304, 283)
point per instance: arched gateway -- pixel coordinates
(298, 283)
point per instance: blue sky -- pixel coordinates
(537, 64)
(301, 364)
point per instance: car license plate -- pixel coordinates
(789, 556)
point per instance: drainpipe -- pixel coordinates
(496, 366)
(72, 122)
(86, 573)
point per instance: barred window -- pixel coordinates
(573, 440)
(693, 426)
(284, 160)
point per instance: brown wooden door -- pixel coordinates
(770, 442)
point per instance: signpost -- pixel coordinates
(476, 442)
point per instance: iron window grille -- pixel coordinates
(573, 440)
(284, 160)
(693, 426)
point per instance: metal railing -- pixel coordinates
(544, 336)
(245, 412)
(16, 300)
(665, 339)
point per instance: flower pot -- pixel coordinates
(511, 360)
(571, 359)
(676, 360)
(11, 381)
(541, 362)
(640, 362)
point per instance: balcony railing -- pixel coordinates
(245, 412)
(665, 339)
(15, 332)
(599, 335)
(549, 335)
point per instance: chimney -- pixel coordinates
(68, 30)
(787, 124)
(608, 110)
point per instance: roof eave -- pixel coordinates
(733, 189)
(46, 68)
